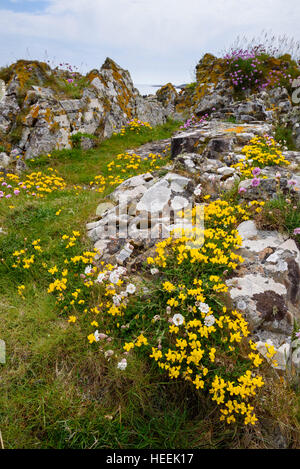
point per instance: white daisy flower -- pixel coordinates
(198, 190)
(88, 269)
(114, 277)
(204, 308)
(178, 319)
(130, 288)
(117, 300)
(122, 364)
(154, 271)
(209, 320)
(121, 270)
(101, 277)
(97, 334)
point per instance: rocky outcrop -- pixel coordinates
(267, 289)
(216, 138)
(37, 118)
(167, 95)
(213, 93)
(143, 212)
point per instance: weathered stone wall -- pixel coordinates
(38, 119)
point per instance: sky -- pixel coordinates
(156, 40)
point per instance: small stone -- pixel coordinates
(247, 229)
(4, 160)
(226, 171)
(103, 207)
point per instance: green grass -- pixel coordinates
(77, 166)
(282, 213)
(284, 136)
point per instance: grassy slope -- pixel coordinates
(55, 391)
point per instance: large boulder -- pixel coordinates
(167, 95)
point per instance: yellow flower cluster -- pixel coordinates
(21, 289)
(36, 183)
(204, 336)
(72, 290)
(124, 166)
(131, 162)
(99, 183)
(141, 340)
(261, 152)
(243, 389)
(44, 183)
(22, 260)
(193, 358)
(216, 245)
(135, 125)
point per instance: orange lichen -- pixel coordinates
(35, 112)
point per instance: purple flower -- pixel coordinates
(255, 182)
(16, 191)
(256, 171)
(8, 196)
(241, 190)
(291, 182)
(296, 231)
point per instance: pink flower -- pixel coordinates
(291, 182)
(298, 334)
(256, 171)
(296, 231)
(241, 190)
(255, 182)
(102, 336)
(16, 191)
(8, 196)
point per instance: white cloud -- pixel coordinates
(144, 35)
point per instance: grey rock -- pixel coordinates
(103, 208)
(247, 230)
(4, 160)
